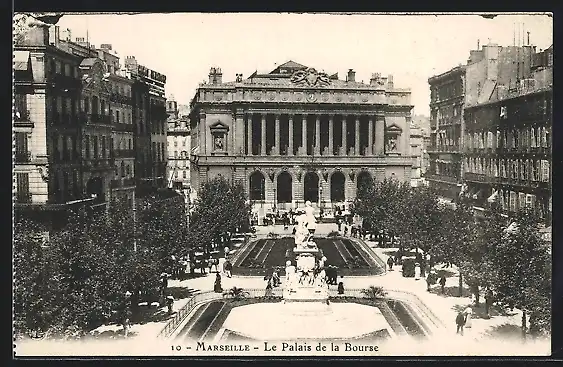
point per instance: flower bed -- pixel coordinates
(276, 255)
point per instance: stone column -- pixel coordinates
(370, 136)
(238, 134)
(304, 133)
(357, 136)
(277, 139)
(249, 135)
(290, 127)
(318, 135)
(343, 147)
(379, 134)
(331, 134)
(263, 132)
(203, 129)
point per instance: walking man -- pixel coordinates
(228, 268)
(442, 283)
(390, 263)
(460, 322)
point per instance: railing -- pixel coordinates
(120, 98)
(479, 177)
(199, 298)
(123, 127)
(124, 153)
(444, 178)
(22, 157)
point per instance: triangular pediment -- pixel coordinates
(288, 68)
(219, 126)
(394, 128)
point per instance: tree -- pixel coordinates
(36, 286)
(420, 218)
(381, 204)
(524, 271)
(220, 210)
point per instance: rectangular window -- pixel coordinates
(104, 153)
(512, 201)
(20, 105)
(87, 146)
(545, 171)
(21, 143)
(95, 144)
(22, 185)
(521, 200)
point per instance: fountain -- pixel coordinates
(305, 312)
(305, 282)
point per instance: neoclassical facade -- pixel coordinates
(296, 134)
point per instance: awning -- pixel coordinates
(21, 59)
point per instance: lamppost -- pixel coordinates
(320, 196)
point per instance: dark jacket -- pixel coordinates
(460, 319)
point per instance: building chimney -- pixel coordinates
(215, 76)
(374, 77)
(351, 75)
(390, 81)
(54, 35)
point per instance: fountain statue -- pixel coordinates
(305, 281)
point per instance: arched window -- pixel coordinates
(363, 182)
(311, 187)
(284, 189)
(337, 182)
(257, 186)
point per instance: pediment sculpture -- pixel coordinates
(310, 77)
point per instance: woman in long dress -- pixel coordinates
(417, 271)
(468, 311)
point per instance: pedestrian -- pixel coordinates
(341, 286)
(460, 322)
(428, 281)
(170, 304)
(468, 312)
(228, 268)
(488, 301)
(217, 286)
(390, 263)
(275, 278)
(269, 291)
(442, 283)
(345, 230)
(416, 271)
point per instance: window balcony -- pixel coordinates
(124, 153)
(22, 157)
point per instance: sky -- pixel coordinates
(412, 48)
